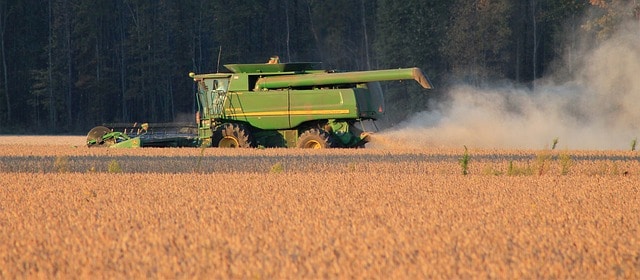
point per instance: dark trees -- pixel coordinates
(67, 65)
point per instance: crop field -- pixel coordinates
(67, 211)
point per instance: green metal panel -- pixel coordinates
(282, 109)
(319, 79)
(317, 104)
(130, 143)
(281, 97)
(239, 83)
(370, 101)
(264, 110)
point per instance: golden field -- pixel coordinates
(278, 213)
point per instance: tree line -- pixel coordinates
(67, 65)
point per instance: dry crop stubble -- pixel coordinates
(327, 214)
(318, 225)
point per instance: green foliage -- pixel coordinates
(634, 142)
(565, 163)
(277, 168)
(608, 167)
(410, 32)
(489, 170)
(340, 40)
(62, 164)
(615, 170)
(464, 161)
(542, 162)
(541, 165)
(114, 167)
(554, 143)
(351, 167)
(606, 18)
(515, 170)
(485, 26)
(74, 64)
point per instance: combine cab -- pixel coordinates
(275, 105)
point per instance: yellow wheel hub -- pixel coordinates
(313, 144)
(228, 142)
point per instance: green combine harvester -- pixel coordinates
(272, 105)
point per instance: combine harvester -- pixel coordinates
(272, 105)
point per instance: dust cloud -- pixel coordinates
(596, 108)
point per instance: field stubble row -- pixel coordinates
(318, 225)
(282, 213)
(47, 159)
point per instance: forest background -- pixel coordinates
(68, 65)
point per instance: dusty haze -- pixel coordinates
(598, 107)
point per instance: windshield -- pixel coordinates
(212, 94)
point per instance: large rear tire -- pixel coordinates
(231, 136)
(314, 139)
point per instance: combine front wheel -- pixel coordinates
(314, 139)
(231, 136)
